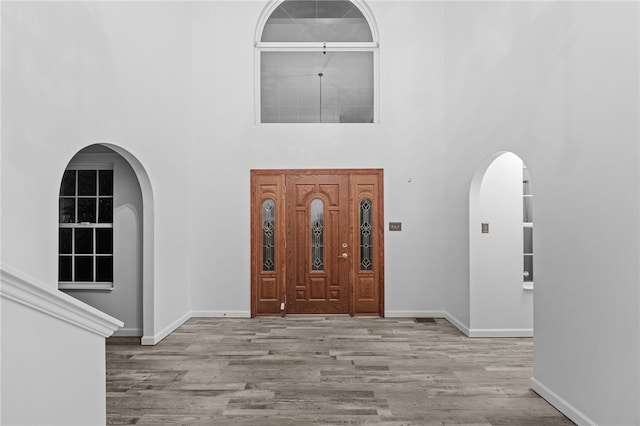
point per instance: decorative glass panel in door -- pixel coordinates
(366, 235)
(268, 235)
(317, 235)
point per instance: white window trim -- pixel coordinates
(260, 47)
(84, 164)
(85, 286)
(317, 46)
(90, 166)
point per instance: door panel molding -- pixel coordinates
(290, 285)
(322, 287)
(368, 281)
(267, 285)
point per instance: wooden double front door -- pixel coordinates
(317, 242)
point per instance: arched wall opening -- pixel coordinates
(501, 248)
(130, 297)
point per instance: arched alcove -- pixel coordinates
(137, 209)
(500, 248)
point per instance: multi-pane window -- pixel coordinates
(85, 216)
(527, 219)
(317, 62)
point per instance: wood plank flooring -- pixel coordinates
(323, 371)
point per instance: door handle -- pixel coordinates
(343, 256)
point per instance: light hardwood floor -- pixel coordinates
(323, 371)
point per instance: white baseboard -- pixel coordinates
(488, 332)
(414, 314)
(154, 340)
(457, 323)
(500, 332)
(563, 406)
(128, 332)
(220, 314)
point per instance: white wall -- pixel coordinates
(499, 305)
(227, 143)
(80, 73)
(124, 301)
(52, 373)
(557, 84)
(53, 355)
(593, 171)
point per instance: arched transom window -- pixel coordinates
(317, 63)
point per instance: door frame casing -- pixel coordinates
(271, 184)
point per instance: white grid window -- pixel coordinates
(527, 219)
(85, 239)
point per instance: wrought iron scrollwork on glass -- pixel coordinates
(366, 235)
(317, 235)
(268, 235)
